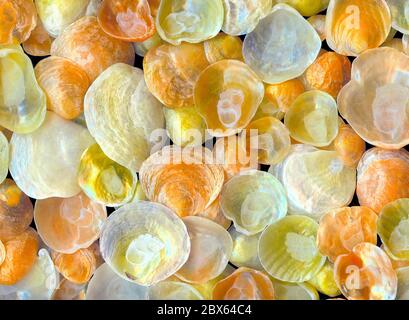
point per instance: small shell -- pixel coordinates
(324, 281)
(142, 48)
(68, 290)
(403, 284)
(306, 7)
(268, 109)
(400, 15)
(39, 42)
(294, 291)
(4, 157)
(318, 23)
(174, 290)
(253, 200)
(245, 250)
(283, 95)
(189, 20)
(214, 213)
(145, 242)
(223, 47)
(227, 95)
(69, 224)
(395, 43)
(274, 58)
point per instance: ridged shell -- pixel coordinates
(223, 46)
(39, 42)
(245, 250)
(4, 157)
(174, 290)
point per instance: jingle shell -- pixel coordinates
(277, 58)
(174, 290)
(39, 42)
(253, 200)
(38, 160)
(123, 127)
(23, 103)
(294, 291)
(145, 242)
(189, 20)
(268, 109)
(4, 157)
(324, 281)
(222, 47)
(85, 43)
(318, 23)
(403, 284)
(306, 7)
(214, 213)
(284, 94)
(142, 48)
(400, 15)
(68, 290)
(245, 249)
(383, 176)
(366, 274)
(227, 95)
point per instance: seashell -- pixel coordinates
(245, 249)
(93, 7)
(306, 7)
(227, 95)
(85, 43)
(403, 284)
(68, 290)
(4, 157)
(395, 43)
(366, 274)
(174, 290)
(400, 15)
(383, 176)
(268, 109)
(185, 180)
(315, 181)
(324, 281)
(145, 242)
(244, 284)
(222, 47)
(374, 101)
(23, 104)
(294, 291)
(58, 143)
(313, 118)
(283, 95)
(396, 264)
(242, 16)
(125, 126)
(39, 42)
(318, 23)
(405, 43)
(214, 213)
(142, 48)
(189, 20)
(127, 20)
(107, 285)
(211, 248)
(154, 6)
(276, 58)
(353, 26)
(253, 200)
(69, 224)
(65, 84)
(340, 230)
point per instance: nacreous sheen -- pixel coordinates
(223, 46)
(39, 42)
(306, 7)
(189, 20)
(324, 281)
(403, 283)
(282, 45)
(4, 157)
(245, 250)
(400, 15)
(294, 291)
(145, 242)
(318, 23)
(174, 290)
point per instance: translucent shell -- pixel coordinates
(264, 48)
(244, 284)
(172, 71)
(341, 229)
(403, 284)
(374, 102)
(284, 94)
(294, 291)
(215, 214)
(145, 242)
(324, 281)
(91, 48)
(241, 16)
(154, 6)
(245, 249)
(127, 20)
(383, 176)
(107, 285)
(189, 20)
(93, 7)
(399, 11)
(288, 251)
(223, 47)
(306, 7)
(174, 290)
(142, 48)
(227, 95)
(119, 96)
(39, 42)
(253, 200)
(318, 23)
(68, 290)
(185, 180)
(69, 224)
(4, 157)
(211, 248)
(366, 274)
(58, 143)
(268, 109)
(353, 26)
(395, 43)
(23, 103)
(65, 84)
(315, 181)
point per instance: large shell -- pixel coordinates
(189, 20)
(282, 45)
(23, 103)
(222, 47)
(245, 250)
(38, 160)
(4, 157)
(122, 115)
(403, 284)
(89, 46)
(283, 95)
(174, 290)
(324, 281)
(39, 42)
(399, 11)
(253, 200)
(145, 242)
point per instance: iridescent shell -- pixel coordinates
(68, 290)
(245, 250)
(340, 230)
(128, 20)
(318, 23)
(40, 159)
(174, 290)
(315, 181)
(400, 15)
(39, 42)
(374, 101)
(107, 285)
(353, 26)
(122, 115)
(89, 46)
(69, 224)
(294, 291)
(244, 284)
(142, 48)
(277, 58)
(172, 71)
(23, 103)
(65, 84)
(242, 16)
(227, 95)
(383, 176)
(284, 94)
(189, 20)
(185, 180)
(223, 47)
(324, 281)
(366, 274)
(306, 7)
(403, 284)
(145, 242)
(215, 214)
(253, 200)
(4, 157)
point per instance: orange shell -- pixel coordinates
(283, 95)
(214, 213)
(154, 5)
(39, 42)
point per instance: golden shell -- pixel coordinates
(324, 281)
(223, 46)
(174, 290)
(306, 7)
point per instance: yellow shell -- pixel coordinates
(174, 290)
(294, 291)
(306, 7)
(4, 157)
(324, 281)
(268, 109)
(222, 47)
(245, 248)
(403, 284)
